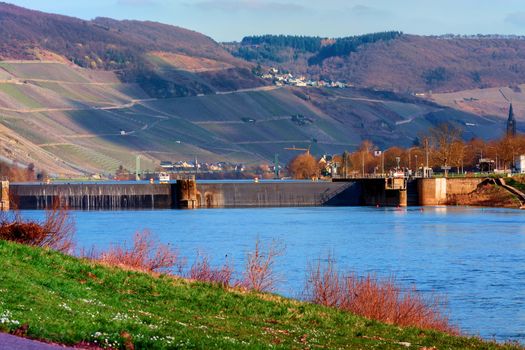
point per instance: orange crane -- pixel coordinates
(293, 148)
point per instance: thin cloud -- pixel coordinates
(368, 11)
(248, 5)
(516, 18)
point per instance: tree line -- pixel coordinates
(303, 43)
(441, 148)
(345, 46)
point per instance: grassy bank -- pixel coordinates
(51, 296)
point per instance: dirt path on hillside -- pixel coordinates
(260, 88)
(257, 121)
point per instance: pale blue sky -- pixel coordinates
(226, 20)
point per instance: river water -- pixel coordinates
(474, 257)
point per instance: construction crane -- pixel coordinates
(293, 148)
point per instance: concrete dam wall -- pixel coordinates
(278, 194)
(183, 194)
(188, 194)
(91, 196)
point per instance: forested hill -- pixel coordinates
(395, 61)
(149, 53)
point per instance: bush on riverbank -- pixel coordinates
(377, 299)
(56, 231)
(55, 297)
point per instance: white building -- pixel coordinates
(520, 164)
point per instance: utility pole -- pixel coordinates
(363, 162)
(409, 156)
(382, 163)
(137, 168)
(196, 166)
(276, 165)
(345, 172)
(426, 152)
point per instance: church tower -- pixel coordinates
(511, 123)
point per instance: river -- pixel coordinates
(474, 257)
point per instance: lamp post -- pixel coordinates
(409, 156)
(363, 163)
(383, 163)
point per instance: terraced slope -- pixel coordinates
(89, 122)
(490, 101)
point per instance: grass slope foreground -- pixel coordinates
(49, 296)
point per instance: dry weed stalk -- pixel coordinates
(259, 274)
(145, 254)
(201, 270)
(379, 299)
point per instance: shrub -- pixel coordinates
(201, 270)
(259, 274)
(55, 232)
(378, 299)
(146, 255)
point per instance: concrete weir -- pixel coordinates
(184, 194)
(91, 196)
(277, 194)
(188, 194)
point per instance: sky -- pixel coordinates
(231, 20)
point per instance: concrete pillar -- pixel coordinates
(432, 191)
(403, 198)
(187, 194)
(4, 195)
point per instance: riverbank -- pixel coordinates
(54, 297)
(488, 195)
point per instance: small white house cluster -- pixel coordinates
(281, 79)
(183, 165)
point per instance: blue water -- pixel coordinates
(475, 257)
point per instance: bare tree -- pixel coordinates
(444, 138)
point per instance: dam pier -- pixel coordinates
(191, 194)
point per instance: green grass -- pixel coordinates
(18, 94)
(82, 155)
(49, 71)
(67, 300)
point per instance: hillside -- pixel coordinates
(49, 296)
(69, 120)
(482, 102)
(86, 97)
(397, 62)
(126, 47)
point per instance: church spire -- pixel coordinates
(511, 123)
